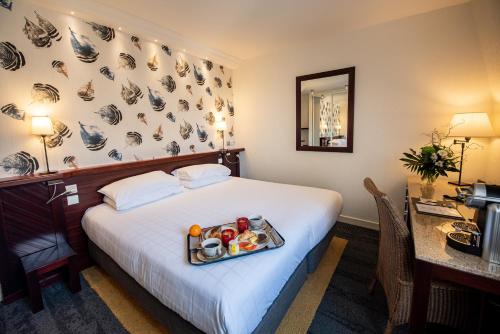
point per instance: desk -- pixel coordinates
(434, 260)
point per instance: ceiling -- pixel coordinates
(248, 28)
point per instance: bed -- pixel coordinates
(245, 295)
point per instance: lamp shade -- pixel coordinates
(221, 124)
(41, 126)
(475, 125)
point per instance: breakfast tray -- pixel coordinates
(193, 244)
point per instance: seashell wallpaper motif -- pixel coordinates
(11, 110)
(7, 4)
(93, 138)
(166, 49)
(10, 58)
(61, 131)
(20, 163)
(86, 92)
(133, 138)
(110, 114)
(70, 161)
(83, 47)
(126, 61)
(105, 33)
(60, 67)
(168, 83)
(108, 73)
(156, 100)
(111, 96)
(44, 93)
(132, 93)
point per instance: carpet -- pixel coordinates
(64, 312)
(346, 306)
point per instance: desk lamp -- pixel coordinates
(468, 125)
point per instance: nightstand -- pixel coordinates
(38, 267)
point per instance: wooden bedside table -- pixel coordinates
(40, 265)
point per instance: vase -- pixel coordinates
(427, 189)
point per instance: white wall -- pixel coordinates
(487, 18)
(411, 76)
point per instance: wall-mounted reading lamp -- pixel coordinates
(220, 125)
(42, 126)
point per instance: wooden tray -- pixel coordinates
(193, 245)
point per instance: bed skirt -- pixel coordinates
(177, 325)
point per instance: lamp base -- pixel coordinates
(48, 173)
(460, 184)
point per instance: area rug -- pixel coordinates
(297, 320)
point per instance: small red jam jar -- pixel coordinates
(227, 235)
(242, 224)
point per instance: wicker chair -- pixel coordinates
(448, 304)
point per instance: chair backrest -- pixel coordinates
(394, 261)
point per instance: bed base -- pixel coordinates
(176, 324)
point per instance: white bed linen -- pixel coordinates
(149, 243)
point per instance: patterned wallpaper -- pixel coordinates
(111, 96)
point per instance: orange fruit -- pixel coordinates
(195, 230)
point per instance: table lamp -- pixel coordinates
(221, 126)
(42, 126)
(469, 125)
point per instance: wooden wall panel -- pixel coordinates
(27, 226)
(26, 215)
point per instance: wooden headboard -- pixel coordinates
(88, 181)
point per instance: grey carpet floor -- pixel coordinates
(64, 312)
(347, 307)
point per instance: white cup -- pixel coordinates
(256, 221)
(211, 247)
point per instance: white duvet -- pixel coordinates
(149, 243)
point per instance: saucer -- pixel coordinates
(202, 257)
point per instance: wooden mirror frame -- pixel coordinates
(350, 71)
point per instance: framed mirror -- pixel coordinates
(325, 111)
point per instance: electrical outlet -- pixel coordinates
(73, 199)
(73, 188)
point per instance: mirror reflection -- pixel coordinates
(324, 111)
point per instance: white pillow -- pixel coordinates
(195, 172)
(141, 189)
(109, 201)
(152, 197)
(205, 181)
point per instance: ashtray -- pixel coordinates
(464, 226)
(462, 241)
